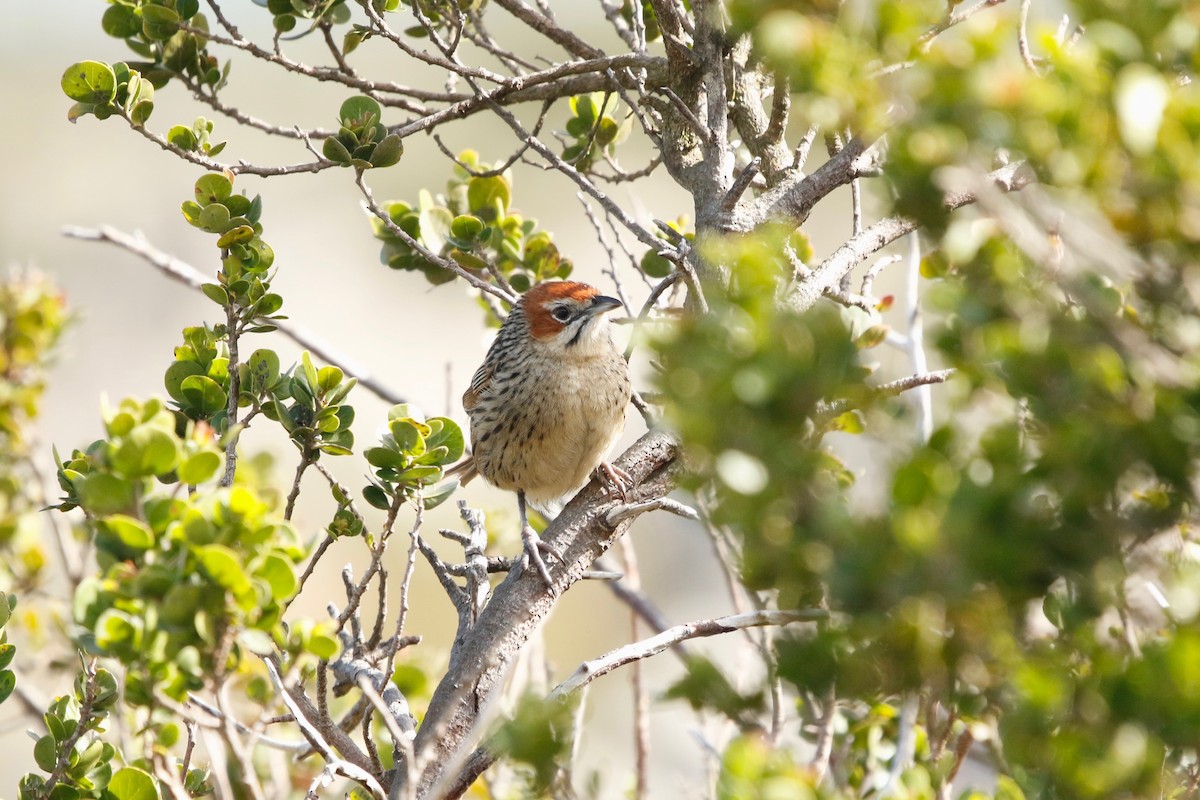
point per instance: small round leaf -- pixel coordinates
(89, 82)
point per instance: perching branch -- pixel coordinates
(521, 603)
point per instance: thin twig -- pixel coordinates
(184, 273)
(627, 654)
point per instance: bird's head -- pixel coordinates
(568, 316)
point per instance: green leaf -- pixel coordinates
(216, 293)
(339, 394)
(872, 337)
(376, 497)
(435, 227)
(387, 152)
(158, 22)
(335, 151)
(310, 371)
(239, 234)
(269, 304)
(89, 758)
(45, 753)
(277, 572)
(212, 188)
(131, 783)
(328, 378)
(466, 227)
(656, 266)
(147, 451)
(386, 458)
(177, 373)
(356, 111)
(435, 496)
(214, 218)
(106, 689)
(238, 204)
(408, 437)
(132, 532)
(78, 110)
(256, 641)
(223, 566)
(191, 212)
(450, 436)
(121, 22)
(264, 370)
(484, 193)
(585, 108)
(199, 467)
(8, 682)
(203, 395)
(103, 493)
(323, 646)
(7, 651)
(849, 422)
(352, 40)
(142, 104)
(419, 474)
(89, 82)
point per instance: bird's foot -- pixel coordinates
(534, 547)
(619, 481)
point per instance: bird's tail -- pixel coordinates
(465, 470)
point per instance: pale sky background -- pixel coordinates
(423, 342)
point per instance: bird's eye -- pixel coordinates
(561, 313)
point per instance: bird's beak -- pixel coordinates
(602, 304)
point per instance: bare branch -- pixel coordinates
(321, 733)
(591, 670)
(551, 30)
(794, 197)
(522, 601)
(241, 168)
(185, 273)
(954, 16)
(630, 510)
(875, 237)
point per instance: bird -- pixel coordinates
(548, 403)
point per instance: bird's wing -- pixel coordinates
(479, 385)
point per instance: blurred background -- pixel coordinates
(422, 342)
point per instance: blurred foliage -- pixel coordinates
(538, 735)
(1078, 483)
(474, 224)
(33, 316)
(8, 678)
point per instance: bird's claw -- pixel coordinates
(534, 547)
(619, 481)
